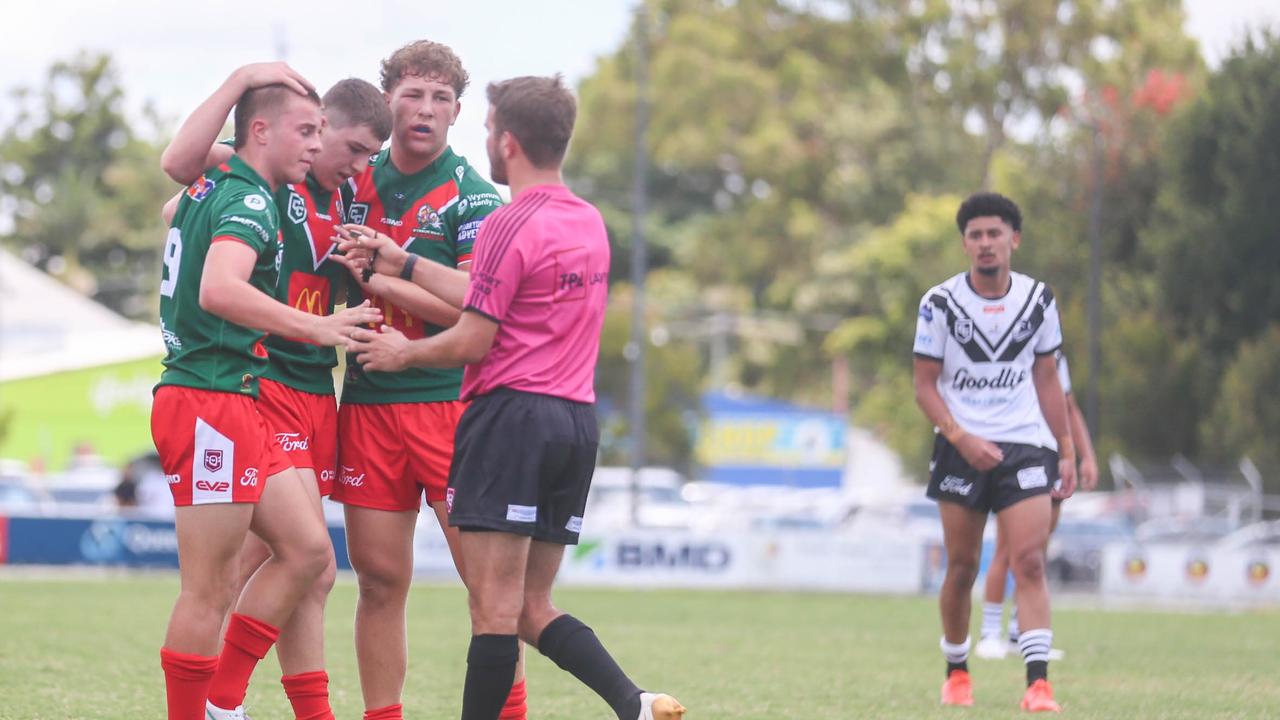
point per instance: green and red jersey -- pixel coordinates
(435, 213)
(308, 281)
(231, 202)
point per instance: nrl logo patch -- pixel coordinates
(297, 208)
(964, 330)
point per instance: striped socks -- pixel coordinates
(1034, 645)
(957, 655)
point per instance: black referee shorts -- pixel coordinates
(1026, 471)
(522, 464)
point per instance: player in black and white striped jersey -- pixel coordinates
(985, 375)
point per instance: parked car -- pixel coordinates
(659, 502)
(1183, 530)
(1255, 536)
(1075, 549)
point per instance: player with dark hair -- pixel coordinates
(296, 394)
(227, 473)
(526, 446)
(985, 376)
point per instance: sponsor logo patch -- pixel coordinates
(468, 231)
(350, 478)
(955, 485)
(522, 513)
(200, 189)
(1032, 477)
(250, 477)
(292, 441)
(926, 312)
(574, 524)
(255, 202)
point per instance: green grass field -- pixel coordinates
(87, 647)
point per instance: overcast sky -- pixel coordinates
(175, 54)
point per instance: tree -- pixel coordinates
(1213, 236)
(83, 187)
(1245, 416)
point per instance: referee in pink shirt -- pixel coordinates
(526, 446)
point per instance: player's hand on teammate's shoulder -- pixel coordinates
(256, 75)
(981, 454)
(386, 350)
(336, 329)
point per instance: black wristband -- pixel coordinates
(406, 272)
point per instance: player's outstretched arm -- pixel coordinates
(403, 294)
(980, 453)
(1053, 405)
(389, 351)
(389, 259)
(194, 147)
(225, 291)
(1084, 445)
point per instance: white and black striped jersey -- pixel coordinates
(987, 347)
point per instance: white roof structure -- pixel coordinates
(46, 327)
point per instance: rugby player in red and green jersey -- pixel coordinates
(396, 429)
(226, 471)
(296, 394)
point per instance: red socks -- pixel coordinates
(515, 708)
(309, 695)
(247, 642)
(186, 682)
(390, 712)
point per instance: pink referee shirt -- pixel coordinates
(541, 271)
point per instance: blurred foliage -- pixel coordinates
(82, 184)
(807, 157)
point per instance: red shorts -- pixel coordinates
(305, 426)
(215, 447)
(391, 454)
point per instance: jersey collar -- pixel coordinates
(242, 168)
(446, 159)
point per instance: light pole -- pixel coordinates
(639, 262)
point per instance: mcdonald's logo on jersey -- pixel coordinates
(310, 294)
